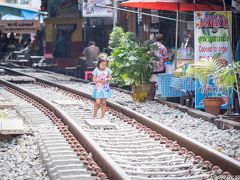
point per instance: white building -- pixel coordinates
(34, 4)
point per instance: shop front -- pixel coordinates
(204, 33)
(63, 40)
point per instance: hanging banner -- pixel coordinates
(212, 39)
(91, 8)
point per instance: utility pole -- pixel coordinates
(138, 24)
(115, 13)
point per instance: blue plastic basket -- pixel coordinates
(188, 84)
(164, 89)
(176, 83)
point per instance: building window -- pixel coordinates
(11, 1)
(25, 2)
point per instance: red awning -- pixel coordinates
(171, 5)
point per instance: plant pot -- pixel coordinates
(139, 93)
(143, 92)
(212, 105)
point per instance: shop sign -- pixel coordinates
(90, 8)
(20, 26)
(212, 32)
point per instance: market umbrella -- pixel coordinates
(172, 5)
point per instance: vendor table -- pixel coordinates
(170, 86)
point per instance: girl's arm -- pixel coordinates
(109, 78)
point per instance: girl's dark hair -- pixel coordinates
(102, 58)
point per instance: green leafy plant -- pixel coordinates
(227, 79)
(131, 60)
(224, 77)
(116, 37)
(204, 70)
(131, 63)
(190, 72)
(227, 75)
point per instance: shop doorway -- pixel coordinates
(62, 40)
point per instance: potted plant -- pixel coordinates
(116, 37)
(227, 79)
(117, 40)
(131, 65)
(206, 71)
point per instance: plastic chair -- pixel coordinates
(86, 74)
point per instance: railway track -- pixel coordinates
(65, 158)
(135, 145)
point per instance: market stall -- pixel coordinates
(185, 54)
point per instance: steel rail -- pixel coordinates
(223, 161)
(112, 170)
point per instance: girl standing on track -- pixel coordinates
(101, 91)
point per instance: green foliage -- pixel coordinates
(206, 68)
(128, 37)
(216, 56)
(130, 61)
(223, 76)
(190, 72)
(227, 78)
(227, 75)
(115, 37)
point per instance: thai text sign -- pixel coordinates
(212, 39)
(20, 26)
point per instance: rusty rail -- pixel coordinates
(112, 170)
